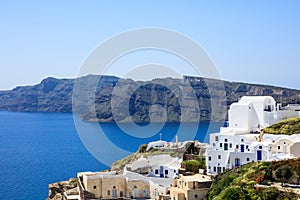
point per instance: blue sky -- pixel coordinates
(249, 41)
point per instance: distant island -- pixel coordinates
(55, 95)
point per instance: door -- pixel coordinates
(225, 146)
(114, 193)
(135, 193)
(237, 162)
(259, 155)
(219, 170)
(161, 171)
(284, 148)
(242, 148)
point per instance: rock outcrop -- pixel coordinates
(56, 190)
(55, 95)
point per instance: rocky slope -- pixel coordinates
(55, 95)
(56, 190)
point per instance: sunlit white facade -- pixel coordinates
(242, 141)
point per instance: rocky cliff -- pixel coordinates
(55, 95)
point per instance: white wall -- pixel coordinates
(239, 117)
(171, 172)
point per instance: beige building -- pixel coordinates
(190, 187)
(109, 185)
(281, 146)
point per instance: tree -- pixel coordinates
(270, 193)
(284, 173)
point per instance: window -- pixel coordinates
(209, 167)
(226, 140)
(196, 196)
(284, 143)
(121, 194)
(114, 187)
(260, 147)
(156, 171)
(166, 172)
(174, 171)
(217, 138)
(214, 144)
(247, 146)
(215, 169)
(95, 187)
(221, 145)
(209, 158)
(248, 159)
(237, 146)
(242, 140)
(108, 192)
(230, 145)
(278, 147)
(219, 156)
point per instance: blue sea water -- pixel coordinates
(41, 148)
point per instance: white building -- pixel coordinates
(156, 144)
(241, 142)
(162, 165)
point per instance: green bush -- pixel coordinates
(192, 165)
(284, 173)
(232, 193)
(270, 193)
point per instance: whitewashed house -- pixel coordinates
(162, 165)
(241, 142)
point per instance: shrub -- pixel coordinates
(192, 165)
(143, 148)
(270, 193)
(232, 193)
(284, 173)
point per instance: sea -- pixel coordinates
(37, 149)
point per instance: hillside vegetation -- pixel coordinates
(287, 127)
(120, 164)
(255, 181)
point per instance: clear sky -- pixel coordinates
(249, 41)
